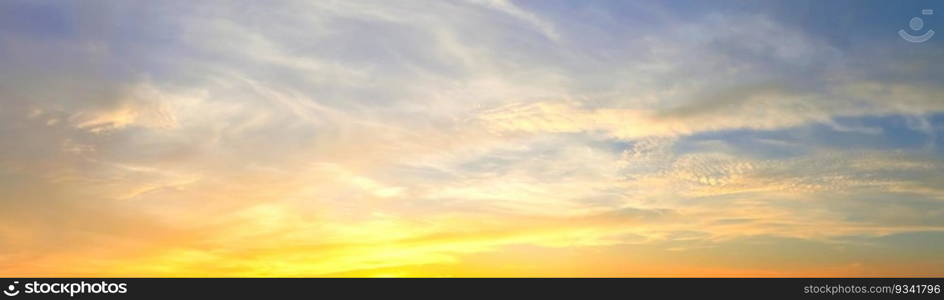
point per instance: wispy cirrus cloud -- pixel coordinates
(448, 138)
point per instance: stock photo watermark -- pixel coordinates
(66, 288)
(916, 24)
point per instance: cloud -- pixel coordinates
(510, 8)
(316, 138)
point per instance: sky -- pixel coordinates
(470, 138)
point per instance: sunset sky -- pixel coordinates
(470, 138)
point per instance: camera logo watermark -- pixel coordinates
(916, 24)
(11, 289)
(70, 288)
